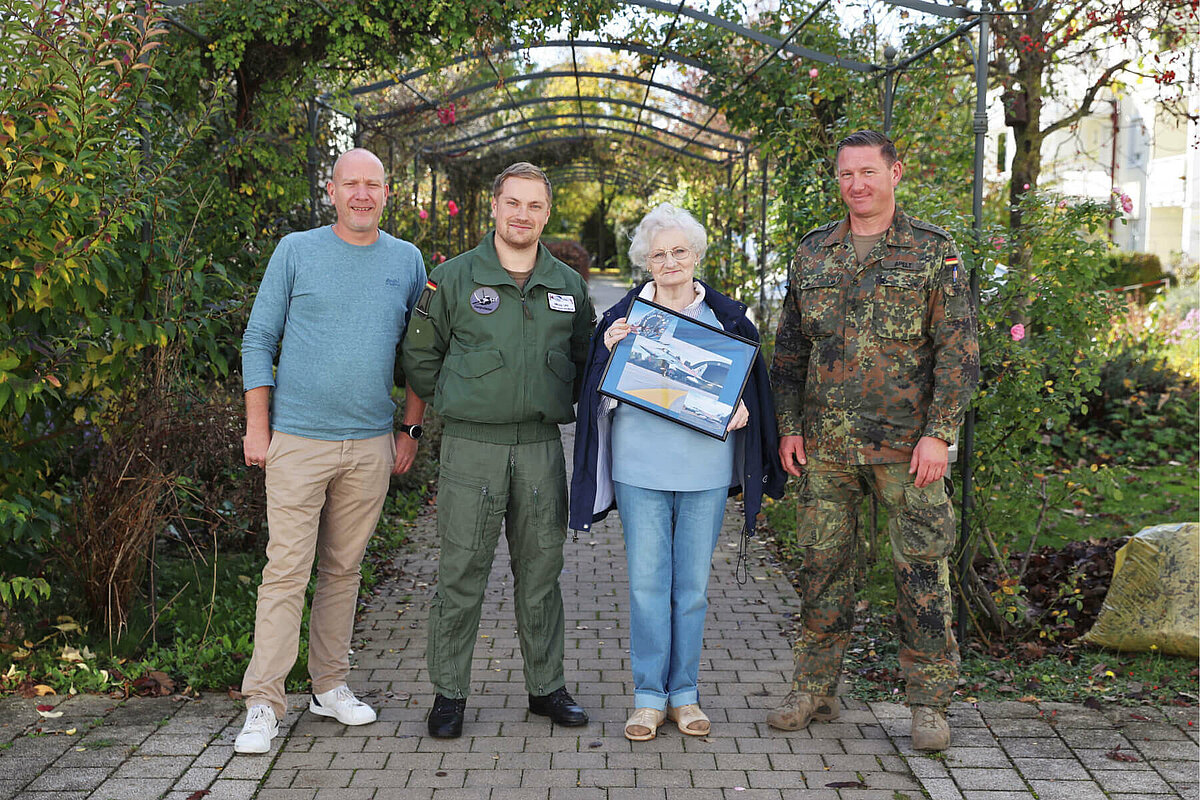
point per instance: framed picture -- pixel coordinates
(678, 368)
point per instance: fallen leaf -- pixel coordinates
(1116, 755)
(196, 795)
(50, 714)
(847, 785)
(70, 731)
(594, 745)
(1093, 704)
(1139, 717)
(1029, 698)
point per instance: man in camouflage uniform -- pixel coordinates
(876, 358)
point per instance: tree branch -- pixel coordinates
(1085, 106)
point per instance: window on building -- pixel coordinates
(1170, 134)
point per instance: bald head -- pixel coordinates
(358, 157)
(359, 191)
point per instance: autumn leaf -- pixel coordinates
(1116, 755)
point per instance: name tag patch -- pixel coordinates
(485, 300)
(561, 302)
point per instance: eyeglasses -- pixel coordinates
(677, 254)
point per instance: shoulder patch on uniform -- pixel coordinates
(928, 226)
(422, 306)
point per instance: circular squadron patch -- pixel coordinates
(485, 300)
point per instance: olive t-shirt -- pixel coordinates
(864, 244)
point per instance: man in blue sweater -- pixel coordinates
(332, 308)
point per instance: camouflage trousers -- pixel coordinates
(921, 530)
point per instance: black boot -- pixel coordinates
(560, 707)
(446, 717)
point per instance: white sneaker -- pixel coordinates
(341, 704)
(258, 731)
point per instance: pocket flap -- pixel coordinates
(560, 365)
(820, 280)
(475, 363)
(902, 279)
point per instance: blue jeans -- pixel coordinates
(669, 543)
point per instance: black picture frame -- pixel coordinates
(679, 368)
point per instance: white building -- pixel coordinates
(1132, 144)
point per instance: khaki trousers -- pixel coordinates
(323, 499)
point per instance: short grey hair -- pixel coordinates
(666, 217)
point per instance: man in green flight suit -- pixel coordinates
(497, 344)
(876, 358)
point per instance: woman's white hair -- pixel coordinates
(666, 217)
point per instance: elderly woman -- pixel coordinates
(669, 483)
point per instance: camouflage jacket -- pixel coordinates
(871, 357)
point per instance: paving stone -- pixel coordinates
(1144, 781)
(231, 790)
(69, 779)
(991, 779)
(153, 767)
(1032, 748)
(1099, 760)
(1067, 790)
(941, 789)
(957, 756)
(135, 788)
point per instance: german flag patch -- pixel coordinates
(952, 263)
(426, 296)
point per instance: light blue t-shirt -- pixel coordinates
(334, 312)
(652, 453)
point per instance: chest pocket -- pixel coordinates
(900, 304)
(820, 301)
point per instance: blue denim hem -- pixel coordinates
(649, 700)
(690, 697)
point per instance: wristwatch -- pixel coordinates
(413, 431)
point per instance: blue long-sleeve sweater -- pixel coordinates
(334, 313)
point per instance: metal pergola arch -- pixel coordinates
(890, 72)
(973, 19)
(455, 144)
(533, 101)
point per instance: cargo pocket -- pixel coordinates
(926, 524)
(549, 513)
(806, 514)
(465, 508)
(820, 302)
(958, 303)
(558, 401)
(900, 305)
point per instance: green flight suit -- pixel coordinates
(503, 367)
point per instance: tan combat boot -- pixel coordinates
(930, 730)
(800, 708)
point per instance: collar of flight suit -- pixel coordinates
(487, 271)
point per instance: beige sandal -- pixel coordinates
(642, 725)
(690, 719)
